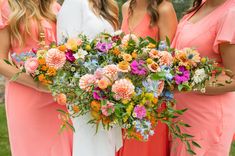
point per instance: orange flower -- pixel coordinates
(62, 48)
(76, 109)
(116, 51)
(151, 45)
(155, 101)
(96, 115)
(61, 99)
(51, 71)
(41, 77)
(41, 61)
(134, 55)
(103, 84)
(44, 68)
(105, 120)
(127, 57)
(95, 106)
(124, 66)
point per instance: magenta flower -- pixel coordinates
(98, 94)
(137, 68)
(104, 47)
(182, 76)
(139, 112)
(69, 56)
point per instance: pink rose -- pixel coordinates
(31, 65)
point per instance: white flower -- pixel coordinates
(118, 32)
(199, 76)
(80, 54)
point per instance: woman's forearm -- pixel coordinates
(9, 71)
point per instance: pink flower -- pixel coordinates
(31, 65)
(139, 112)
(107, 109)
(154, 54)
(129, 37)
(111, 71)
(165, 58)
(123, 89)
(61, 99)
(55, 58)
(99, 73)
(86, 82)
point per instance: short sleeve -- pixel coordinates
(56, 7)
(225, 30)
(4, 13)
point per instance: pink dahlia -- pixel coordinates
(165, 58)
(55, 58)
(139, 112)
(31, 65)
(111, 71)
(86, 82)
(123, 89)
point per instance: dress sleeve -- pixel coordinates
(225, 30)
(70, 19)
(4, 14)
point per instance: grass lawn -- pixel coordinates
(4, 143)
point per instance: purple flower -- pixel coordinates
(139, 112)
(104, 47)
(69, 56)
(183, 75)
(137, 67)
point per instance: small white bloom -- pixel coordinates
(199, 76)
(203, 90)
(80, 54)
(118, 32)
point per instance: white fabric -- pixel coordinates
(76, 17)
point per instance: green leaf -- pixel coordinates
(196, 144)
(151, 40)
(7, 62)
(158, 76)
(70, 126)
(168, 42)
(15, 77)
(191, 152)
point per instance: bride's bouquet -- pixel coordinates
(120, 80)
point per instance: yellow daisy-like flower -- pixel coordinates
(151, 45)
(126, 57)
(124, 66)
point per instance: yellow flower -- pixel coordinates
(41, 53)
(125, 102)
(124, 66)
(72, 44)
(151, 45)
(127, 57)
(134, 55)
(88, 47)
(149, 96)
(125, 118)
(116, 51)
(149, 61)
(129, 109)
(51, 71)
(203, 60)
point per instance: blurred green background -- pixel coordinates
(180, 7)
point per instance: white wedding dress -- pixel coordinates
(76, 17)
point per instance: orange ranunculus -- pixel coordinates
(103, 84)
(41, 61)
(155, 100)
(61, 99)
(95, 106)
(62, 48)
(116, 51)
(51, 71)
(124, 66)
(105, 120)
(41, 77)
(134, 54)
(44, 68)
(76, 109)
(96, 115)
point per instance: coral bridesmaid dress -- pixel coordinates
(32, 117)
(158, 144)
(211, 117)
